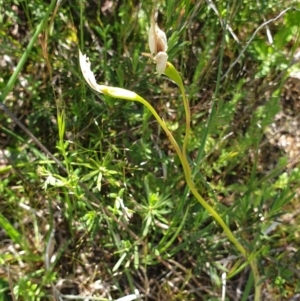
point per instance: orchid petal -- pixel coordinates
(157, 39)
(161, 62)
(85, 66)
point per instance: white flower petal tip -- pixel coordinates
(85, 66)
(161, 62)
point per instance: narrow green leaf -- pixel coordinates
(10, 230)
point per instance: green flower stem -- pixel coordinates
(173, 74)
(128, 95)
(187, 120)
(191, 185)
(125, 94)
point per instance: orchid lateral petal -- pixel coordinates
(161, 62)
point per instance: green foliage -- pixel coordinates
(118, 204)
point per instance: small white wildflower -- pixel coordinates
(52, 181)
(158, 46)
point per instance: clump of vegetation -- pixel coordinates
(188, 190)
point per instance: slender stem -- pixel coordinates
(125, 94)
(191, 185)
(187, 119)
(173, 74)
(25, 55)
(187, 172)
(186, 166)
(257, 282)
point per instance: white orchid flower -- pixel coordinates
(158, 46)
(85, 66)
